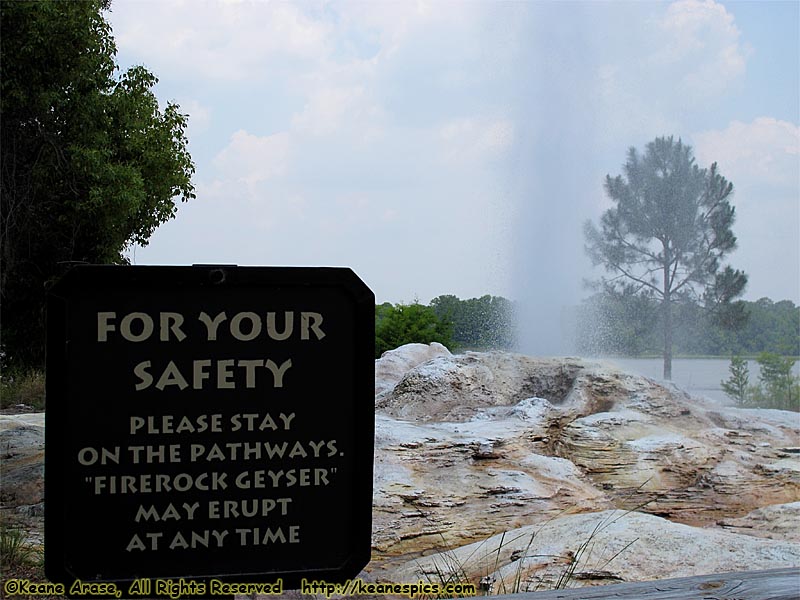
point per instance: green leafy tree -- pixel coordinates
(617, 321)
(667, 234)
(90, 163)
(737, 385)
(381, 312)
(772, 327)
(485, 322)
(409, 323)
(780, 387)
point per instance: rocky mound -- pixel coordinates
(521, 470)
(599, 548)
(494, 444)
(459, 388)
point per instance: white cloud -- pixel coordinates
(199, 115)
(468, 141)
(626, 111)
(252, 159)
(678, 61)
(227, 41)
(702, 43)
(247, 40)
(762, 159)
(763, 152)
(394, 24)
(332, 109)
(388, 123)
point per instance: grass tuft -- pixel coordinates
(480, 567)
(14, 551)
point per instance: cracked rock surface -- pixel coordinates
(521, 470)
(476, 453)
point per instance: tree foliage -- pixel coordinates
(482, 323)
(618, 322)
(629, 325)
(409, 323)
(777, 386)
(771, 327)
(781, 388)
(667, 234)
(90, 163)
(737, 384)
(485, 322)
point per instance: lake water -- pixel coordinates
(698, 376)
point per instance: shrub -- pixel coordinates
(22, 388)
(13, 549)
(738, 384)
(777, 387)
(409, 323)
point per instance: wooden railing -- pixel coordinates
(775, 584)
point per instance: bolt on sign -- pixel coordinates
(209, 422)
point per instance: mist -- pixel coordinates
(555, 177)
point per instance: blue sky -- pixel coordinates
(440, 147)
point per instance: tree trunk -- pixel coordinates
(667, 306)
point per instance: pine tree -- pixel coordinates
(667, 234)
(736, 386)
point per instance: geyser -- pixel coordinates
(556, 179)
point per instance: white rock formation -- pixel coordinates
(605, 547)
(482, 447)
(391, 367)
(503, 466)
